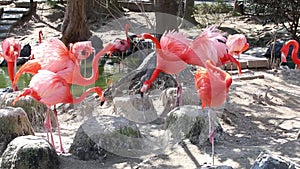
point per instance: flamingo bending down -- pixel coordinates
(121, 45)
(50, 89)
(168, 60)
(237, 44)
(64, 62)
(285, 50)
(11, 51)
(212, 85)
(209, 45)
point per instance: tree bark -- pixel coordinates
(166, 16)
(74, 27)
(188, 18)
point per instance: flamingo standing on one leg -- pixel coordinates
(212, 85)
(50, 88)
(237, 44)
(40, 41)
(11, 51)
(209, 45)
(285, 50)
(168, 50)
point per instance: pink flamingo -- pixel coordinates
(212, 85)
(168, 60)
(50, 89)
(40, 41)
(237, 44)
(64, 62)
(121, 45)
(285, 50)
(209, 45)
(11, 51)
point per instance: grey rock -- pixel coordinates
(270, 161)
(216, 167)
(168, 97)
(29, 152)
(106, 136)
(35, 110)
(97, 43)
(135, 108)
(190, 121)
(13, 123)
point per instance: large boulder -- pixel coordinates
(270, 161)
(191, 122)
(13, 123)
(35, 110)
(104, 137)
(29, 152)
(135, 108)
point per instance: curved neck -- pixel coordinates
(80, 80)
(77, 100)
(155, 40)
(40, 37)
(126, 32)
(295, 44)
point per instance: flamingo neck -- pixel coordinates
(295, 58)
(11, 73)
(40, 37)
(126, 32)
(98, 90)
(154, 40)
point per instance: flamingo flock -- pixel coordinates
(55, 67)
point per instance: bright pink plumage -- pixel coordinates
(237, 44)
(11, 49)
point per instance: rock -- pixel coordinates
(190, 121)
(106, 136)
(270, 161)
(97, 43)
(135, 108)
(35, 110)
(216, 167)
(13, 123)
(168, 97)
(28, 152)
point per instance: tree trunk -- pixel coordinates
(74, 27)
(188, 18)
(166, 16)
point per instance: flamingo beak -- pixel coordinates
(101, 103)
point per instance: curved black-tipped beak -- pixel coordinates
(101, 103)
(142, 94)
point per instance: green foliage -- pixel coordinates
(212, 8)
(51, 3)
(283, 12)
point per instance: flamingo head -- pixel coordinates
(82, 50)
(229, 58)
(11, 49)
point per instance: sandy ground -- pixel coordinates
(259, 115)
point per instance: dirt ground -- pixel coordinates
(259, 115)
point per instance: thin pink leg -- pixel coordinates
(211, 134)
(48, 127)
(58, 130)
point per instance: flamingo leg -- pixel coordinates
(58, 130)
(48, 127)
(178, 93)
(211, 133)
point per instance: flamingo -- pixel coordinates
(64, 62)
(40, 41)
(237, 44)
(11, 48)
(168, 60)
(121, 45)
(212, 85)
(285, 50)
(50, 89)
(209, 45)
